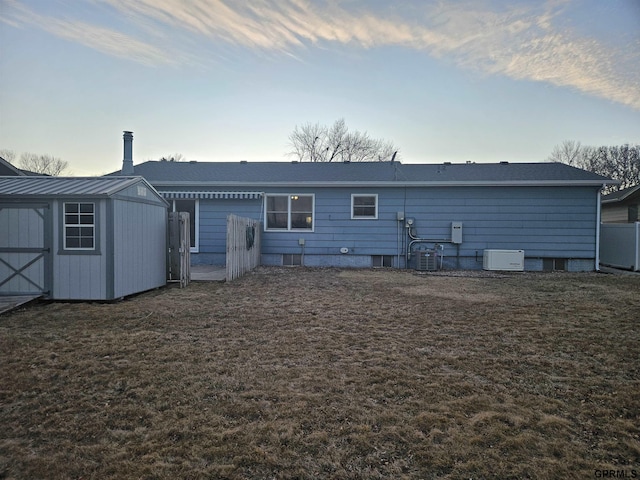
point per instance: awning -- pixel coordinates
(171, 195)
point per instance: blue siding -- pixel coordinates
(213, 221)
(549, 222)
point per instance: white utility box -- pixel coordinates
(456, 233)
(506, 260)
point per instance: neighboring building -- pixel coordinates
(7, 169)
(81, 238)
(622, 206)
(384, 213)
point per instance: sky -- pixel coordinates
(229, 80)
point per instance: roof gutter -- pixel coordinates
(299, 184)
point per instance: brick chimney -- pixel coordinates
(127, 161)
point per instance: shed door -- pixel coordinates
(24, 249)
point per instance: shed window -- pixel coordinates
(79, 226)
(364, 206)
(633, 214)
(289, 212)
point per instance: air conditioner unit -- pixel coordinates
(427, 260)
(505, 260)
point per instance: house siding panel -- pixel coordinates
(213, 226)
(551, 222)
(615, 214)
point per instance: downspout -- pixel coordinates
(598, 220)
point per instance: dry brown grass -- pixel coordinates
(325, 373)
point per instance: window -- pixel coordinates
(291, 259)
(632, 214)
(79, 226)
(382, 260)
(553, 264)
(289, 212)
(191, 207)
(364, 206)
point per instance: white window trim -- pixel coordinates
(79, 225)
(196, 248)
(289, 229)
(360, 217)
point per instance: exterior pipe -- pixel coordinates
(415, 240)
(424, 240)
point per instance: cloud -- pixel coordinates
(520, 41)
(107, 41)
(523, 43)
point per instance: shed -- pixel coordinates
(74, 238)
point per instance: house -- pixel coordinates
(622, 206)
(620, 231)
(81, 238)
(7, 169)
(388, 213)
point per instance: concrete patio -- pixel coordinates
(208, 273)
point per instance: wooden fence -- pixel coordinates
(179, 248)
(243, 246)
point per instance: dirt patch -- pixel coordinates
(328, 373)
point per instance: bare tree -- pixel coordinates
(174, 157)
(319, 143)
(8, 155)
(43, 164)
(568, 152)
(618, 162)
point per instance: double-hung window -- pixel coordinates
(289, 212)
(79, 226)
(364, 206)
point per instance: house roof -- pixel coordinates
(622, 195)
(236, 174)
(7, 169)
(85, 186)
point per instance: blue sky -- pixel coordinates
(223, 80)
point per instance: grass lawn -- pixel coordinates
(328, 373)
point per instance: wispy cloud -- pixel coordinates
(524, 43)
(105, 40)
(520, 42)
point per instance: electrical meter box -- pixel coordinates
(456, 232)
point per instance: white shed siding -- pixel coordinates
(80, 276)
(24, 228)
(139, 246)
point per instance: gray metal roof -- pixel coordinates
(165, 174)
(86, 186)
